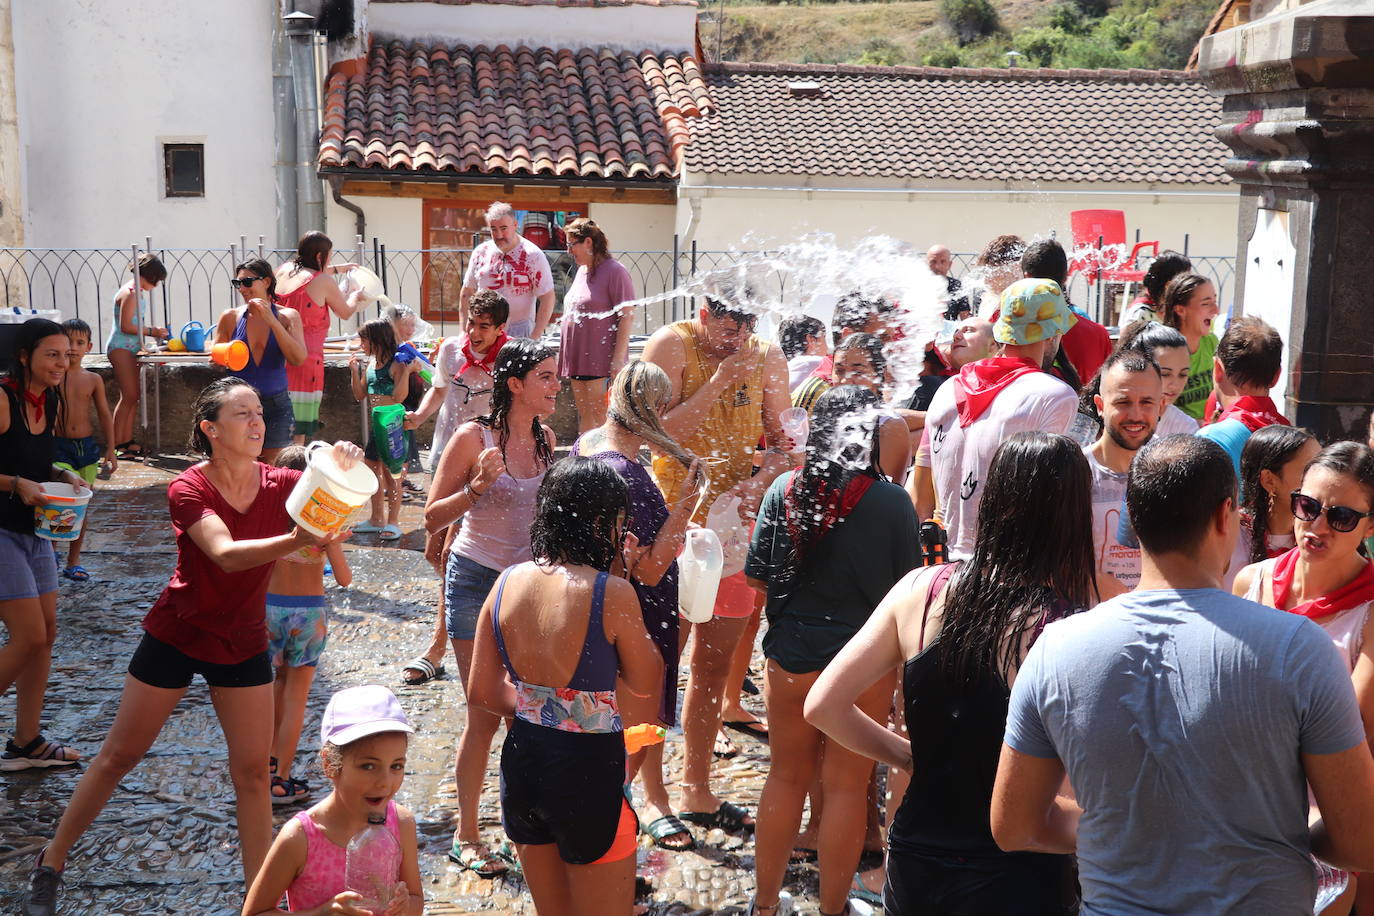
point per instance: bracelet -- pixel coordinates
(14, 487)
(473, 495)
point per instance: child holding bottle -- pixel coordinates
(364, 736)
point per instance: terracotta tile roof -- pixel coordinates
(524, 111)
(552, 2)
(928, 124)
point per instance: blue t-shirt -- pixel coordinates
(1231, 434)
(1180, 716)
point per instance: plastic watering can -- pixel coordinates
(193, 335)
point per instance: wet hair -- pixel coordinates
(1132, 361)
(263, 271)
(579, 502)
(1149, 336)
(1034, 548)
(720, 307)
(1175, 486)
(1046, 260)
(517, 359)
(1177, 293)
(1268, 449)
(581, 229)
(312, 251)
(207, 406)
(1001, 251)
(844, 427)
(380, 338)
(150, 268)
(1352, 458)
(795, 331)
(872, 346)
(638, 392)
(293, 457)
(1162, 269)
(852, 313)
(76, 326)
(490, 303)
(25, 343)
(1251, 352)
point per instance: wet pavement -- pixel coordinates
(166, 843)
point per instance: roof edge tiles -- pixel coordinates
(587, 3)
(424, 108)
(956, 73)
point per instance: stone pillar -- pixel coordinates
(1298, 90)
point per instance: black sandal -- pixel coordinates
(669, 826)
(727, 817)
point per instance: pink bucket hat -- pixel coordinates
(357, 712)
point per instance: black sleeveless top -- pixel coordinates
(27, 454)
(956, 734)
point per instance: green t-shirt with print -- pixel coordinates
(1193, 400)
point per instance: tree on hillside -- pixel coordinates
(969, 20)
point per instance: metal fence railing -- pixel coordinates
(82, 282)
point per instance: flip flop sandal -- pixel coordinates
(131, 451)
(366, 528)
(292, 791)
(801, 855)
(858, 890)
(76, 574)
(428, 671)
(753, 728)
(478, 859)
(669, 826)
(724, 748)
(390, 533)
(727, 817)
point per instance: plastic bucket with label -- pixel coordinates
(62, 512)
(326, 495)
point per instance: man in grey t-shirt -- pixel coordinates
(1187, 721)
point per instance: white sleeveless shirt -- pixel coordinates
(1346, 628)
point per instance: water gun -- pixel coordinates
(407, 354)
(638, 737)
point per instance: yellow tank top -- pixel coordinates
(730, 430)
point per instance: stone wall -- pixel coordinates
(340, 415)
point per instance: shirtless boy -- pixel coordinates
(76, 446)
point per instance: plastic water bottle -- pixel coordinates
(699, 575)
(372, 864)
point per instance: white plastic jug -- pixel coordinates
(326, 495)
(698, 575)
(724, 520)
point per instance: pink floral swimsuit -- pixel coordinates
(321, 879)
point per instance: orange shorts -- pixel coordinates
(735, 598)
(626, 836)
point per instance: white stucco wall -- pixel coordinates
(633, 27)
(102, 85)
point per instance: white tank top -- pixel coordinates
(1346, 628)
(496, 531)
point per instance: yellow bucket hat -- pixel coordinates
(1032, 311)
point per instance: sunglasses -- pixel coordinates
(1340, 518)
(241, 282)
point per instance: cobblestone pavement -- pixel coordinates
(166, 843)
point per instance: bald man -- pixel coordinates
(939, 260)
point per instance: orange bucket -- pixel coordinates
(232, 355)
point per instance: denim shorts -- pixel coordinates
(297, 629)
(280, 418)
(466, 586)
(27, 566)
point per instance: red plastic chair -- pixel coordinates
(1095, 231)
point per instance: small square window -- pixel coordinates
(184, 166)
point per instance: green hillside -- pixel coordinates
(958, 33)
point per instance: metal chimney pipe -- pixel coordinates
(284, 118)
(300, 31)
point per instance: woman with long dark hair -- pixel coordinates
(553, 640)
(230, 520)
(832, 537)
(959, 632)
(303, 284)
(640, 394)
(1190, 307)
(30, 409)
(487, 483)
(273, 335)
(1271, 467)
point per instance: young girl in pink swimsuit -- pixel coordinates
(364, 736)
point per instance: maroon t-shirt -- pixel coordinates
(209, 614)
(1087, 345)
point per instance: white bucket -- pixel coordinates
(698, 571)
(326, 495)
(62, 513)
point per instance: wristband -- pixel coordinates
(473, 495)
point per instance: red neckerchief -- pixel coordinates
(488, 361)
(1255, 413)
(1360, 589)
(35, 400)
(978, 384)
(835, 505)
(825, 369)
(946, 370)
